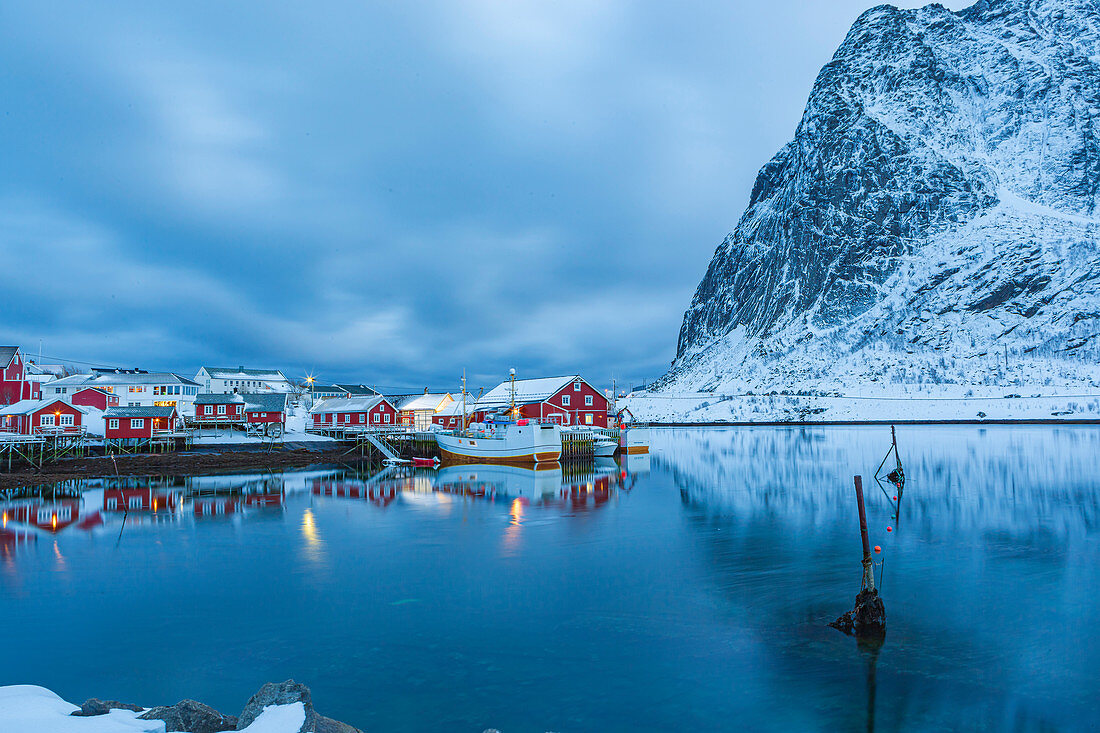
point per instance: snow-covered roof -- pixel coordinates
(527, 390)
(348, 404)
(231, 373)
(123, 377)
(218, 398)
(416, 402)
(26, 407)
(356, 389)
(266, 402)
(7, 353)
(140, 411)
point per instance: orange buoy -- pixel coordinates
(878, 549)
(889, 529)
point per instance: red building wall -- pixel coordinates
(254, 416)
(57, 408)
(98, 399)
(51, 516)
(375, 416)
(13, 384)
(139, 500)
(233, 411)
(125, 431)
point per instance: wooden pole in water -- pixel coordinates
(868, 563)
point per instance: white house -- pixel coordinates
(224, 380)
(134, 388)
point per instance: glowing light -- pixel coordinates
(516, 511)
(53, 521)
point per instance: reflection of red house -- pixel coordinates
(216, 506)
(139, 500)
(381, 495)
(52, 516)
(94, 397)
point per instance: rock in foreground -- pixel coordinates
(287, 693)
(192, 717)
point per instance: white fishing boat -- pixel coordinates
(524, 442)
(513, 441)
(634, 440)
(605, 447)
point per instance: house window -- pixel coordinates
(565, 400)
(588, 419)
(452, 421)
(135, 502)
(263, 414)
(137, 423)
(577, 386)
(66, 419)
(588, 400)
(221, 409)
(360, 417)
(46, 421)
(208, 409)
(113, 423)
(137, 389)
(112, 503)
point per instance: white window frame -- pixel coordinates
(113, 423)
(565, 400)
(588, 400)
(45, 421)
(387, 417)
(67, 420)
(208, 409)
(221, 409)
(577, 386)
(137, 423)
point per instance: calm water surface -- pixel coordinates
(687, 590)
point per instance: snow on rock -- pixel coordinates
(32, 709)
(935, 216)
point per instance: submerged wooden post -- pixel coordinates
(867, 620)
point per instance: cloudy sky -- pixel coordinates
(386, 192)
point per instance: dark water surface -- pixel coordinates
(690, 594)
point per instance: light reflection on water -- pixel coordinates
(686, 590)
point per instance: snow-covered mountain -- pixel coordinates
(936, 215)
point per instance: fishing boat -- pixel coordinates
(514, 440)
(605, 447)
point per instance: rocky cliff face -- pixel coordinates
(937, 205)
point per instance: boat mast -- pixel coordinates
(463, 400)
(512, 412)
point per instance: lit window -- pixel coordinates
(588, 419)
(588, 400)
(565, 400)
(137, 423)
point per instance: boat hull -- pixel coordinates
(517, 445)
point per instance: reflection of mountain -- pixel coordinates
(998, 478)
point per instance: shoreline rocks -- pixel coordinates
(190, 716)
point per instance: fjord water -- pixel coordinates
(687, 591)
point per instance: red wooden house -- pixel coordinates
(354, 412)
(95, 397)
(265, 409)
(43, 417)
(14, 385)
(138, 423)
(219, 408)
(567, 400)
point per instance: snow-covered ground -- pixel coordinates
(877, 402)
(31, 709)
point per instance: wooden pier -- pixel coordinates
(46, 444)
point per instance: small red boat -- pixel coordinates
(425, 462)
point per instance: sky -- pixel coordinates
(379, 192)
